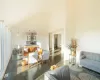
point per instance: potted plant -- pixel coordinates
(72, 46)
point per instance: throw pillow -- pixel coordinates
(83, 56)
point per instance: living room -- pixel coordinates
(73, 19)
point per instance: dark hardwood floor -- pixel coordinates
(30, 74)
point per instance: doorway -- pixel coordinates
(57, 43)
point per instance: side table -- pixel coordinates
(72, 59)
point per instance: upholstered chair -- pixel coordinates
(45, 55)
(33, 58)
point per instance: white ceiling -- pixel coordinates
(37, 22)
(29, 14)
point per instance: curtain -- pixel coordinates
(5, 47)
(1, 47)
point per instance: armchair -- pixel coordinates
(33, 58)
(45, 55)
(61, 73)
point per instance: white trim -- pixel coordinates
(62, 39)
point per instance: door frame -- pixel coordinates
(51, 34)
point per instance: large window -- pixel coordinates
(5, 47)
(1, 47)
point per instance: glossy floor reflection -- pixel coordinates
(28, 73)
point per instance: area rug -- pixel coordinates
(86, 76)
(77, 74)
(75, 68)
(82, 76)
(72, 77)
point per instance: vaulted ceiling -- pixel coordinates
(30, 14)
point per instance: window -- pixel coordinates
(5, 47)
(1, 46)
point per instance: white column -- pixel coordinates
(52, 44)
(1, 49)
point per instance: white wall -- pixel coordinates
(58, 16)
(69, 30)
(88, 25)
(59, 40)
(16, 10)
(22, 38)
(63, 18)
(1, 9)
(18, 40)
(50, 40)
(57, 20)
(44, 40)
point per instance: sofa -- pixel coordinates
(90, 60)
(61, 73)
